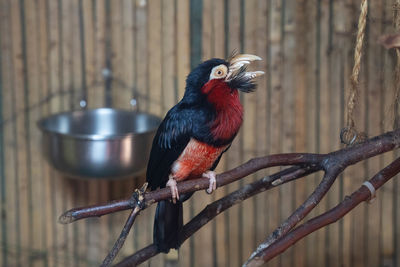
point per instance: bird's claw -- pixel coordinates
(174, 189)
(213, 182)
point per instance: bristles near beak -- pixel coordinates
(240, 60)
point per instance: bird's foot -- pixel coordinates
(174, 189)
(213, 182)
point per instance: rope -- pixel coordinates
(396, 24)
(396, 123)
(396, 15)
(349, 134)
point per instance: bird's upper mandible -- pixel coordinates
(237, 62)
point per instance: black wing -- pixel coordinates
(171, 139)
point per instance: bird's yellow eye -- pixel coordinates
(219, 72)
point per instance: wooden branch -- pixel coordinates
(140, 256)
(350, 155)
(301, 211)
(331, 216)
(122, 237)
(333, 164)
(138, 196)
(193, 185)
(217, 207)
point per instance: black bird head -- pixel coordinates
(233, 72)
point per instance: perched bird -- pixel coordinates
(194, 134)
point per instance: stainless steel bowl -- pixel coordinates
(98, 143)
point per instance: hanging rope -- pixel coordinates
(396, 24)
(396, 14)
(349, 135)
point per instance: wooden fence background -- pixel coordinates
(53, 54)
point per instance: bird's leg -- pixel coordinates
(174, 189)
(213, 182)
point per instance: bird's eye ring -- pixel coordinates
(219, 72)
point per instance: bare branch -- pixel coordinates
(304, 163)
(217, 207)
(334, 163)
(300, 212)
(331, 216)
(140, 256)
(350, 155)
(122, 237)
(138, 196)
(193, 185)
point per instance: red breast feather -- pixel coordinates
(199, 157)
(196, 159)
(229, 111)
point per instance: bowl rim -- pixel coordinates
(40, 125)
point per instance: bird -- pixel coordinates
(194, 134)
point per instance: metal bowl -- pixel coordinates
(98, 143)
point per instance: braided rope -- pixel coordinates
(396, 15)
(349, 134)
(396, 24)
(362, 21)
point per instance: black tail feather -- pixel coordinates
(167, 224)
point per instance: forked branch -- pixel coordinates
(349, 203)
(302, 164)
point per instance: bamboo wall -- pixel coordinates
(53, 54)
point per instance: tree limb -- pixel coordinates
(333, 164)
(304, 163)
(138, 196)
(217, 207)
(331, 216)
(193, 185)
(122, 237)
(301, 211)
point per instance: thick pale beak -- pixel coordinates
(239, 61)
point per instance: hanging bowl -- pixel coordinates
(98, 143)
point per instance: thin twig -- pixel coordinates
(121, 239)
(138, 196)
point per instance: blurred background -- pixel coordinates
(54, 54)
